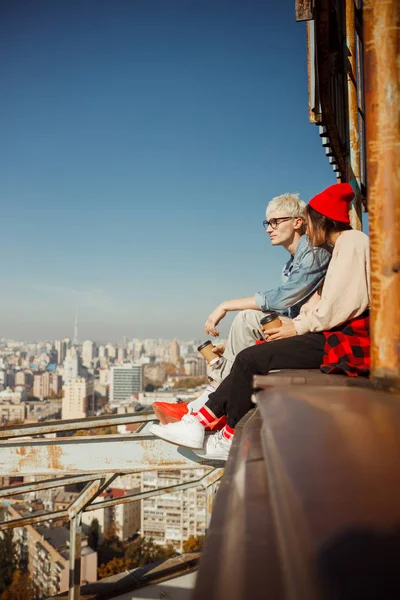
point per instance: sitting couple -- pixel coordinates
(331, 330)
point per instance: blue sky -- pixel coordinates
(141, 141)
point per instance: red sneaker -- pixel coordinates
(168, 412)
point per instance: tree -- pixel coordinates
(140, 552)
(110, 533)
(111, 547)
(93, 538)
(170, 369)
(55, 395)
(110, 429)
(143, 551)
(8, 559)
(114, 566)
(21, 588)
(190, 382)
(193, 543)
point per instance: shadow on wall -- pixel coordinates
(360, 564)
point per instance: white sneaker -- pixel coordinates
(216, 447)
(201, 400)
(187, 432)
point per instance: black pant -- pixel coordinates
(233, 396)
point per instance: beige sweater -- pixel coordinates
(346, 290)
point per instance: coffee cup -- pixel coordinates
(206, 350)
(270, 321)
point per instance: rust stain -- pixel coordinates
(54, 455)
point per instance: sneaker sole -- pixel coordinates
(208, 457)
(176, 443)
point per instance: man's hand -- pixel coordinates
(219, 349)
(216, 316)
(286, 330)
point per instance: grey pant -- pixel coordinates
(245, 330)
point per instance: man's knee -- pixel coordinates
(247, 319)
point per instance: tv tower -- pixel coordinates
(76, 338)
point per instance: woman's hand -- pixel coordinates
(286, 330)
(216, 316)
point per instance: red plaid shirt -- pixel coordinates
(347, 348)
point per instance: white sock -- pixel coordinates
(201, 400)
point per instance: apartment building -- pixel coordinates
(89, 352)
(24, 378)
(125, 381)
(44, 551)
(46, 384)
(12, 405)
(123, 518)
(172, 518)
(78, 401)
(195, 366)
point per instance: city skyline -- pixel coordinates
(140, 148)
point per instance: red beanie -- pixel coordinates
(334, 202)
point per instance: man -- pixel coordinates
(301, 277)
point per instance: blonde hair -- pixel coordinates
(288, 203)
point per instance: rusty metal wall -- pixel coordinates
(353, 159)
(382, 99)
(304, 10)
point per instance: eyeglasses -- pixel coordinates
(275, 222)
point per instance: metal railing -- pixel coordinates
(96, 461)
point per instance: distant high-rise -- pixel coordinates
(103, 352)
(111, 351)
(89, 352)
(78, 401)
(61, 349)
(175, 352)
(125, 381)
(72, 366)
(121, 354)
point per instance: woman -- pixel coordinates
(331, 331)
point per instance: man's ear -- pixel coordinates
(300, 224)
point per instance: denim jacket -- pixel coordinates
(301, 277)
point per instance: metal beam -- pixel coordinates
(381, 21)
(92, 454)
(74, 592)
(89, 494)
(73, 424)
(206, 481)
(85, 497)
(24, 521)
(46, 484)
